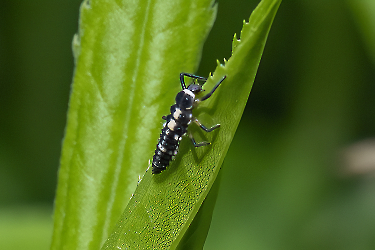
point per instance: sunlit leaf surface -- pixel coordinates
(128, 58)
(163, 205)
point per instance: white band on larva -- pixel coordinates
(171, 124)
(177, 113)
(162, 149)
(176, 137)
(189, 92)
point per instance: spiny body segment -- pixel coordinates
(178, 121)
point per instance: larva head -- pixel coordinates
(195, 88)
(185, 99)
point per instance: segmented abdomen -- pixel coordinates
(165, 150)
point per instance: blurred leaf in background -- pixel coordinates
(36, 67)
(313, 96)
(36, 71)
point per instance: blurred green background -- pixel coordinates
(300, 171)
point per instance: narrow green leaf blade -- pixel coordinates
(164, 205)
(195, 236)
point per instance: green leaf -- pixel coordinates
(128, 58)
(163, 206)
(195, 236)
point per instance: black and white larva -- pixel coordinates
(178, 121)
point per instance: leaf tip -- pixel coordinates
(235, 42)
